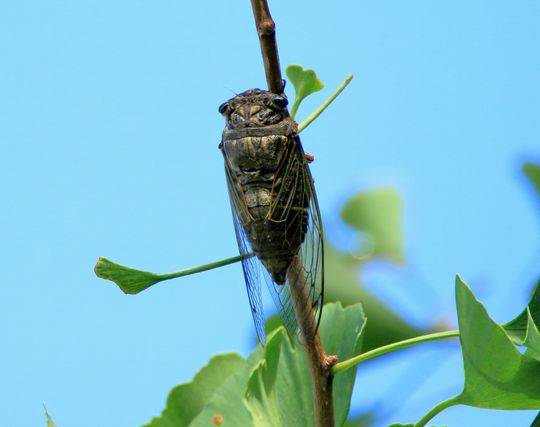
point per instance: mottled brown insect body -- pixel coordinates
(272, 196)
(255, 143)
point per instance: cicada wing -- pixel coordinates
(312, 251)
(307, 269)
(252, 267)
(296, 203)
(253, 270)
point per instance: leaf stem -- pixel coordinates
(323, 106)
(356, 360)
(436, 410)
(200, 268)
(294, 108)
(132, 281)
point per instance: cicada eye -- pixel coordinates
(234, 119)
(280, 101)
(223, 108)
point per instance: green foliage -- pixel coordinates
(536, 421)
(532, 172)
(227, 403)
(50, 422)
(343, 284)
(128, 279)
(378, 214)
(382, 226)
(407, 425)
(187, 402)
(497, 375)
(272, 387)
(279, 391)
(342, 269)
(132, 281)
(518, 328)
(532, 338)
(305, 83)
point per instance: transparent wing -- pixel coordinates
(252, 267)
(307, 269)
(295, 203)
(253, 270)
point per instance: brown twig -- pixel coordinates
(266, 29)
(319, 362)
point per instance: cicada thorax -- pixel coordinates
(262, 153)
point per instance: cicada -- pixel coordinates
(274, 207)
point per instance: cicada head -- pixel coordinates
(254, 108)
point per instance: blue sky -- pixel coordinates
(108, 139)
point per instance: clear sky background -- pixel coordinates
(108, 146)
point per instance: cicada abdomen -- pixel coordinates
(275, 212)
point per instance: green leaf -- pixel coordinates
(407, 425)
(272, 323)
(536, 421)
(50, 422)
(517, 328)
(532, 171)
(305, 83)
(497, 375)
(227, 405)
(128, 279)
(378, 214)
(342, 272)
(532, 338)
(279, 389)
(187, 400)
(133, 281)
(341, 330)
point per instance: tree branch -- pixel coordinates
(266, 29)
(320, 363)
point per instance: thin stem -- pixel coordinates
(356, 360)
(436, 410)
(319, 362)
(133, 281)
(294, 108)
(324, 105)
(266, 29)
(200, 268)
